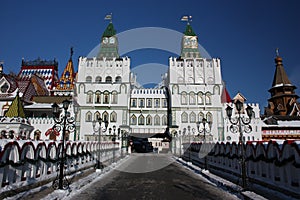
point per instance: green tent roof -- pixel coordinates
(189, 31)
(109, 31)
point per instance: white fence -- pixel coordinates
(271, 164)
(23, 162)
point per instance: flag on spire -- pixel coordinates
(108, 17)
(186, 18)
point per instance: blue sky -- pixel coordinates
(244, 34)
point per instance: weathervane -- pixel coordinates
(187, 18)
(108, 17)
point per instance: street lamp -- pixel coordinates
(180, 137)
(66, 123)
(99, 120)
(114, 142)
(240, 124)
(190, 147)
(204, 129)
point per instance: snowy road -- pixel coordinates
(151, 176)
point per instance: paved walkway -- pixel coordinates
(152, 176)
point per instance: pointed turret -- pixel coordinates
(16, 108)
(66, 82)
(109, 43)
(282, 92)
(189, 45)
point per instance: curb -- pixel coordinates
(220, 182)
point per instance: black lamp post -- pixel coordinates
(99, 120)
(66, 123)
(204, 130)
(190, 146)
(240, 124)
(180, 137)
(114, 142)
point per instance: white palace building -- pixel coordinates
(191, 90)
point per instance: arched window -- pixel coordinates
(184, 98)
(106, 97)
(108, 79)
(88, 79)
(175, 89)
(61, 84)
(67, 74)
(141, 120)
(98, 79)
(114, 97)
(200, 98)
(118, 79)
(89, 97)
(88, 117)
(184, 117)
(113, 117)
(208, 99)
(209, 117)
(105, 116)
(200, 116)
(192, 98)
(164, 120)
(133, 120)
(96, 116)
(68, 84)
(149, 103)
(192, 117)
(216, 90)
(156, 103)
(149, 120)
(156, 120)
(97, 97)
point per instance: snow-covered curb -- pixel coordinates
(83, 183)
(225, 184)
(75, 187)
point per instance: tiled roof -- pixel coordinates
(45, 69)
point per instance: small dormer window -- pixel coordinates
(67, 74)
(68, 84)
(4, 88)
(61, 84)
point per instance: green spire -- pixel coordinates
(16, 108)
(109, 31)
(189, 31)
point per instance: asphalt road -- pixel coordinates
(152, 176)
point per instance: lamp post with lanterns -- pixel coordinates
(65, 123)
(206, 128)
(99, 120)
(240, 124)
